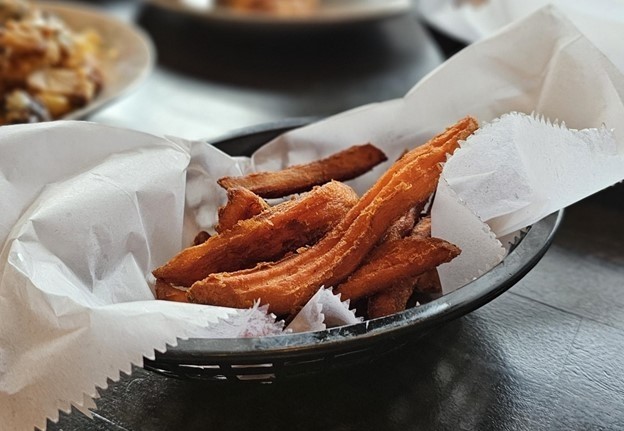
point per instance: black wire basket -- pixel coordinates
(271, 359)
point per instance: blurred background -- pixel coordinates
(214, 73)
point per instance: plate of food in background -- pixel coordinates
(62, 61)
(289, 12)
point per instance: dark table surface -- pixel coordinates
(548, 354)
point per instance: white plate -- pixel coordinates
(133, 57)
(329, 12)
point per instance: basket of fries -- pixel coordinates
(389, 324)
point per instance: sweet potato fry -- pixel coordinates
(422, 228)
(264, 237)
(403, 226)
(392, 300)
(342, 166)
(286, 285)
(395, 298)
(167, 292)
(241, 205)
(429, 281)
(403, 258)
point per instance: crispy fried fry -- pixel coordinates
(241, 205)
(264, 237)
(392, 300)
(167, 292)
(403, 226)
(429, 281)
(342, 166)
(289, 283)
(395, 298)
(399, 259)
(422, 228)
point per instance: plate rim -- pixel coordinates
(526, 254)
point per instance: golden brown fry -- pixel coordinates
(403, 226)
(241, 205)
(342, 166)
(422, 228)
(429, 281)
(395, 298)
(167, 292)
(392, 300)
(263, 238)
(289, 283)
(403, 258)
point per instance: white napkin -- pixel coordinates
(601, 21)
(324, 310)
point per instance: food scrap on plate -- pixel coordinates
(376, 246)
(274, 7)
(46, 69)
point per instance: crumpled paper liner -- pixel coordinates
(536, 168)
(253, 322)
(599, 20)
(324, 310)
(63, 333)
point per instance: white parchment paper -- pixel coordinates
(470, 20)
(87, 211)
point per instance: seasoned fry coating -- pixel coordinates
(429, 281)
(289, 283)
(403, 226)
(241, 205)
(168, 292)
(395, 298)
(422, 228)
(399, 259)
(264, 237)
(342, 166)
(392, 300)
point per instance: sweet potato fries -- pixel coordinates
(264, 237)
(367, 248)
(342, 166)
(241, 205)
